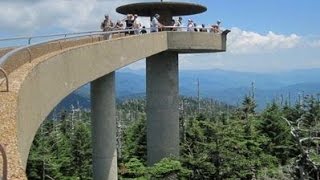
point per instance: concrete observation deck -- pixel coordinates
(42, 75)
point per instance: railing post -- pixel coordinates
(6, 77)
(29, 41)
(4, 164)
(60, 45)
(91, 38)
(30, 54)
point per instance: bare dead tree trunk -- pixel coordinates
(301, 173)
(43, 170)
(198, 92)
(304, 152)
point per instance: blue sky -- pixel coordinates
(267, 36)
(281, 16)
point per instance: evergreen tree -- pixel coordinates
(218, 143)
(135, 141)
(168, 169)
(82, 151)
(280, 142)
(134, 168)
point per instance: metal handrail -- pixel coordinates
(29, 38)
(4, 58)
(84, 34)
(4, 164)
(6, 78)
(9, 54)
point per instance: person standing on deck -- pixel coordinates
(178, 24)
(155, 24)
(136, 24)
(129, 24)
(107, 24)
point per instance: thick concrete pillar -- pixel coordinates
(165, 17)
(104, 128)
(162, 106)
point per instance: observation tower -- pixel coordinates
(162, 84)
(40, 75)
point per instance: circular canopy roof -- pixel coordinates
(151, 8)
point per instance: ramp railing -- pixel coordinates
(19, 56)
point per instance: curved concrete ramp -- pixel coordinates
(37, 87)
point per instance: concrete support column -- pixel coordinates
(104, 128)
(165, 17)
(162, 106)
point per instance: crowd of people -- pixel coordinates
(134, 26)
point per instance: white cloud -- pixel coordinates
(314, 44)
(28, 16)
(24, 17)
(246, 42)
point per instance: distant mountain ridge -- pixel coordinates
(226, 86)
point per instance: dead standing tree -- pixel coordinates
(307, 166)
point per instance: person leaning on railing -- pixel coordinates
(216, 27)
(203, 28)
(129, 24)
(172, 24)
(155, 24)
(136, 24)
(119, 26)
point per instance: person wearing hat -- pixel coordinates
(218, 22)
(155, 24)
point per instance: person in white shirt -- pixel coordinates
(155, 24)
(178, 24)
(190, 26)
(136, 24)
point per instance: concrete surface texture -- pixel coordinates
(37, 86)
(103, 117)
(162, 106)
